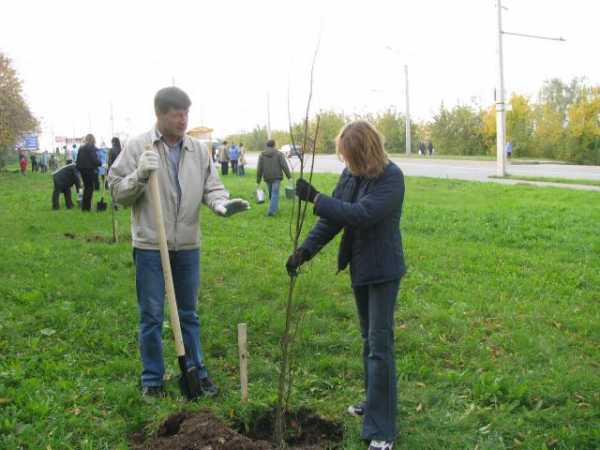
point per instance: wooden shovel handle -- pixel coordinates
(166, 263)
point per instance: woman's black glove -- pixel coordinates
(306, 191)
(296, 259)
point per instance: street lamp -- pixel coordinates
(500, 104)
(408, 146)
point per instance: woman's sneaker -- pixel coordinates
(381, 445)
(357, 410)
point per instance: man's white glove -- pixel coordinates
(231, 207)
(147, 163)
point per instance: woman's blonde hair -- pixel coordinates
(360, 145)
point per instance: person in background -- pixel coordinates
(508, 147)
(44, 161)
(114, 152)
(242, 161)
(87, 163)
(271, 166)
(74, 152)
(430, 148)
(102, 155)
(34, 164)
(64, 178)
(234, 154)
(366, 205)
(224, 158)
(52, 163)
(68, 154)
(22, 163)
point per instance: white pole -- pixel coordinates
(112, 122)
(500, 111)
(268, 116)
(407, 112)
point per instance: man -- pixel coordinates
(234, 153)
(64, 178)
(44, 161)
(271, 166)
(224, 158)
(187, 178)
(87, 164)
(34, 165)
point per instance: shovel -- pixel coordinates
(101, 205)
(189, 381)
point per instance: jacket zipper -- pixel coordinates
(179, 198)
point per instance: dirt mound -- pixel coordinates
(305, 429)
(203, 431)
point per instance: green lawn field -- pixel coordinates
(497, 327)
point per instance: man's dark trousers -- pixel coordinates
(56, 194)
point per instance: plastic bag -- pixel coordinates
(260, 195)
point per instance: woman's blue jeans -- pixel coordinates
(150, 285)
(376, 304)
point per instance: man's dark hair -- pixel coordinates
(171, 98)
(224, 142)
(271, 143)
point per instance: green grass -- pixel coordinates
(552, 180)
(498, 322)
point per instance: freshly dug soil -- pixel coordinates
(203, 431)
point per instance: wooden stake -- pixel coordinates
(243, 350)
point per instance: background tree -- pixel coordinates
(458, 131)
(519, 126)
(15, 117)
(583, 130)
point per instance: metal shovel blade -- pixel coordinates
(189, 381)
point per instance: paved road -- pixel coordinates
(466, 169)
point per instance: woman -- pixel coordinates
(366, 204)
(87, 163)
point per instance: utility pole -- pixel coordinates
(500, 101)
(500, 113)
(408, 146)
(112, 122)
(268, 116)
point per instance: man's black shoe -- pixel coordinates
(208, 387)
(153, 391)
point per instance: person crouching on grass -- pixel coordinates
(187, 178)
(366, 204)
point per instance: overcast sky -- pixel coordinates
(78, 57)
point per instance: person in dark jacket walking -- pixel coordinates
(87, 163)
(366, 204)
(271, 166)
(64, 178)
